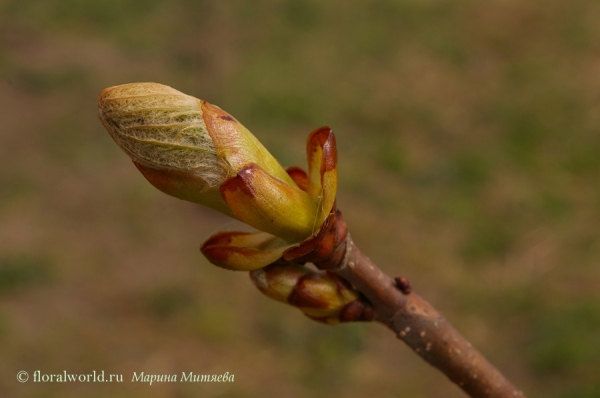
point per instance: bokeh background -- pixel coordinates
(469, 147)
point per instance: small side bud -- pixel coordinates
(322, 296)
(403, 284)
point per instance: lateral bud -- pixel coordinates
(322, 296)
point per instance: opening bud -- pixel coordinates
(193, 150)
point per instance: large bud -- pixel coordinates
(193, 150)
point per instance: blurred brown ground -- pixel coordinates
(469, 147)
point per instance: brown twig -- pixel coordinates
(412, 318)
(427, 332)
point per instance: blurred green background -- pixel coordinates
(469, 147)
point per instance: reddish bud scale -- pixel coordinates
(356, 311)
(306, 293)
(241, 182)
(322, 296)
(241, 250)
(322, 140)
(327, 248)
(299, 176)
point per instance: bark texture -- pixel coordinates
(423, 328)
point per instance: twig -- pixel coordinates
(393, 303)
(420, 326)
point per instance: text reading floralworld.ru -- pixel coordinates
(102, 377)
